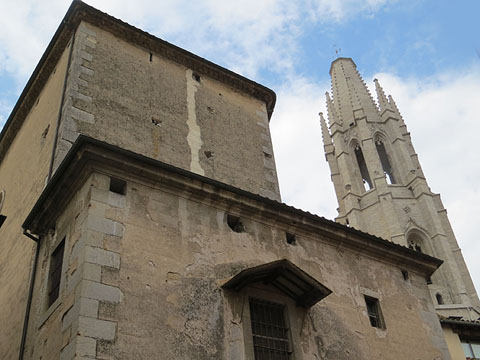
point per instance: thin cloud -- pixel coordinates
(247, 35)
(338, 11)
(303, 172)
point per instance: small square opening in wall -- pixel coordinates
(405, 275)
(291, 238)
(118, 186)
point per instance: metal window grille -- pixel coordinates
(56, 263)
(269, 330)
(374, 312)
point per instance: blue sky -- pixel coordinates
(425, 54)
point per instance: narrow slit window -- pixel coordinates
(386, 166)
(439, 299)
(367, 182)
(374, 312)
(55, 273)
(271, 335)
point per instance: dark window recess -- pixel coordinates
(55, 273)
(2, 219)
(118, 186)
(405, 275)
(387, 167)
(374, 312)
(367, 182)
(428, 280)
(151, 57)
(269, 330)
(439, 299)
(208, 153)
(196, 77)
(291, 238)
(235, 223)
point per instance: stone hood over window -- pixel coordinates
(286, 277)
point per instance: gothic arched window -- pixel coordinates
(362, 165)
(386, 165)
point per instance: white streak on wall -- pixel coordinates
(194, 137)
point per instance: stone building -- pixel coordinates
(381, 189)
(141, 218)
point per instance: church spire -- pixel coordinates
(351, 97)
(382, 99)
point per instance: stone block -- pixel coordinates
(102, 257)
(85, 55)
(93, 238)
(86, 70)
(84, 28)
(105, 226)
(92, 272)
(81, 115)
(102, 292)
(88, 307)
(96, 328)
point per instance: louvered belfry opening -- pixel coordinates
(270, 331)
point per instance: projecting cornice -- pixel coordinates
(88, 155)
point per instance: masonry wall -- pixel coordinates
(162, 255)
(71, 325)
(23, 174)
(136, 99)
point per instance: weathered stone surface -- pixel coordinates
(95, 328)
(142, 272)
(98, 291)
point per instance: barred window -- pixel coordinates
(55, 273)
(270, 331)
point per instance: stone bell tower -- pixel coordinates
(381, 188)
